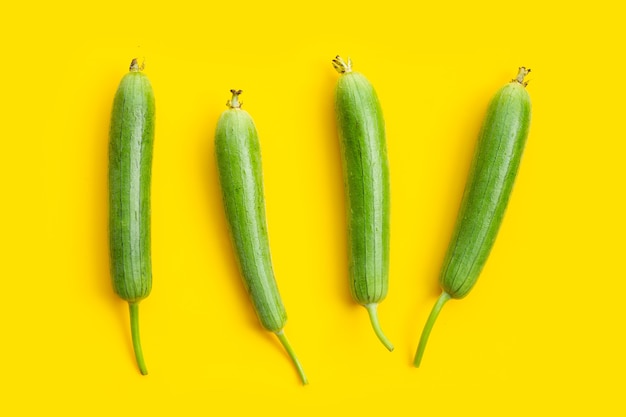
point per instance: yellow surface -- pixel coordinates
(542, 333)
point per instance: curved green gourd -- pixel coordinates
(239, 164)
(366, 178)
(131, 138)
(490, 181)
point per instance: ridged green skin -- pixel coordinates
(130, 166)
(491, 178)
(131, 137)
(239, 164)
(490, 182)
(366, 179)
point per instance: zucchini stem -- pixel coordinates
(292, 354)
(342, 66)
(523, 72)
(428, 327)
(372, 309)
(135, 67)
(234, 102)
(134, 328)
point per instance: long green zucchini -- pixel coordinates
(130, 164)
(366, 179)
(491, 178)
(239, 163)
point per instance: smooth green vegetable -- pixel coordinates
(239, 164)
(491, 178)
(130, 164)
(366, 178)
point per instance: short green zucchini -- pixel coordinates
(239, 164)
(366, 178)
(131, 138)
(492, 175)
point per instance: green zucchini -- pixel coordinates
(131, 139)
(492, 175)
(366, 178)
(239, 164)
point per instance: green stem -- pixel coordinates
(428, 327)
(373, 312)
(292, 354)
(134, 328)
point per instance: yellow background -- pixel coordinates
(542, 333)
